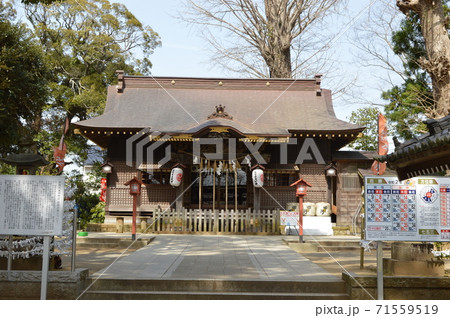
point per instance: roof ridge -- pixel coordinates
(138, 81)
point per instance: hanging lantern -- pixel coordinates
(176, 175)
(258, 178)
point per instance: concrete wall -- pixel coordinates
(26, 285)
(398, 287)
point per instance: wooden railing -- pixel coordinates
(219, 221)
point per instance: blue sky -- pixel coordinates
(182, 53)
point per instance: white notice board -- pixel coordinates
(416, 209)
(289, 218)
(31, 205)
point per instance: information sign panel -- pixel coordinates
(416, 209)
(31, 205)
(289, 218)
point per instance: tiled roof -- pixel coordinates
(183, 105)
(424, 155)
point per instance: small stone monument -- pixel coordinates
(413, 259)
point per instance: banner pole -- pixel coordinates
(74, 239)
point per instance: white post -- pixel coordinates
(74, 239)
(380, 270)
(45, 266)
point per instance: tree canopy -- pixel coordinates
(367, 117)
(396, 44)
(85, 42)
(409, 101)
(23, 82)
(435, 60)
(421, 95)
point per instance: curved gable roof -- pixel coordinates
(182, 105)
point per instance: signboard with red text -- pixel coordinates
(416, 209)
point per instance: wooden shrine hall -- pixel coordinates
(216, 131)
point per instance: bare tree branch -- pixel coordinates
(267, 28)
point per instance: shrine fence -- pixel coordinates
(218, 221)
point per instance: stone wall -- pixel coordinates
(398, 287)
(26, 285)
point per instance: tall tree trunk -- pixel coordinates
(277, 51)
(437, 42)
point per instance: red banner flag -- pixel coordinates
(378, 168)
(58, 154)
(103, 187)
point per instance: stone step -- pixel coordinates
(98, 245)
(93, 242)
(352, 243)
(214, 289)
(337, 243)
(334, 248)
(329, 245)
(86, 239)
(170, 295)
(214, 285)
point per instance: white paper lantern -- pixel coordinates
(176, 175)
(258, 178)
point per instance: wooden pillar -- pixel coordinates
(226, 187)
(200, 185)
(179, 197)
(235, 190)
(329, 190)
(256, 199)
(215, 228)
(214, 187)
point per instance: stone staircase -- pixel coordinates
(187, 289)
(311, 246)
(333, 246)
(104, 243)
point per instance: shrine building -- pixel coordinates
(216, 130)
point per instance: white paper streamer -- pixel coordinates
(219, 168)
(365, 245)
(441, 254)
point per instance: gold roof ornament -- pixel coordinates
(220, 113)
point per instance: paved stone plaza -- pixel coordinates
(216, 257)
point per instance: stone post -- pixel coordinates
(119, 225)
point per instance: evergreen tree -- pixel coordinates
(411, 101)
(367, 117)
(23, 84)
(85, 42)
(424, 40)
